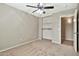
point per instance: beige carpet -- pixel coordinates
(41, 48)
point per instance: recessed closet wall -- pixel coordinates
(55, 19)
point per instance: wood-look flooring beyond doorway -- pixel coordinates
(68, 42)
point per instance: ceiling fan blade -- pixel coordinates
(35, 10)
(49, 7)
(31, 6)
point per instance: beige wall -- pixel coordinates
(63, 29)
(69, 31)
(40, 29)
(16, 27)
(56, 24)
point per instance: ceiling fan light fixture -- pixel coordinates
(39, 11)
(41, 4)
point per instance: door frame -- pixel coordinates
(76, 30)
(69, 15)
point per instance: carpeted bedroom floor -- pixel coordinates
(41, 48)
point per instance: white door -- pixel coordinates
(75, 31)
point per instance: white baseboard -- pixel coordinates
(55, 42)
(17, 45)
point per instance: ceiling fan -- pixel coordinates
(40, 7)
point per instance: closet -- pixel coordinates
(47, 28)
(67, 30)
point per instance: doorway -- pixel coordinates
(67, 30)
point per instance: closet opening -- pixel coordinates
(67, 30)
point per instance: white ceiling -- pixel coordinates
(57, 7)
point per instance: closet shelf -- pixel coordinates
(46, 28)
(47, 23)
